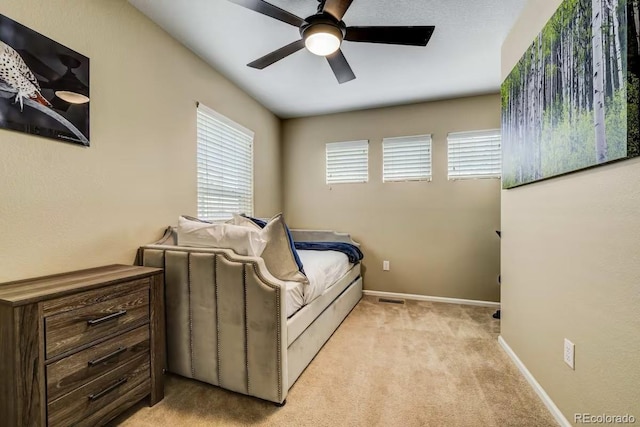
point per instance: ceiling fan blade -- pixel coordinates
(340, 67)
(410, 36)
(277, 55)
(337, 7)
(270, 10)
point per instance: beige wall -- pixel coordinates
(439, 236)
(65, 207)
(570, 268)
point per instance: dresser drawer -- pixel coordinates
(80, 368)
(87, 400)
(73, 321)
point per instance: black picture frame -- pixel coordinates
(44, 86)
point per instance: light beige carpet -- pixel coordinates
(418, 364)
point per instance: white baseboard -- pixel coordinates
(562, 421)
(433, 299)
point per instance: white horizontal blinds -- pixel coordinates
(347, 162)
(475, 154)
(225, 166)
(406, 158)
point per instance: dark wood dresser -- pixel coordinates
(79, 348)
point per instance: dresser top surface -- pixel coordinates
(43, 288)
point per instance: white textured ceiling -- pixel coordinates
(462, 58)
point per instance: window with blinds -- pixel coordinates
(475, 154)
(225, 166)
(347, 162)
(406, 158)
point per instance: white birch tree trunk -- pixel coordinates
(537, 170)
(636, 19)
(598, 82)
(613, 75)
(616, 40)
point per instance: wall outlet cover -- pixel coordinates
(569, 353)
(385, 265)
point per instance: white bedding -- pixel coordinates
(323, 269)
(295, 297)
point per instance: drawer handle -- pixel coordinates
(96, 396)
(106, 318)
(102, 359)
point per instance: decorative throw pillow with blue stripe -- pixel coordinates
(280, 255)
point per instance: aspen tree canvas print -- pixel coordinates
(571, 102)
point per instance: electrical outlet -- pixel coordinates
(569, 353)
(385, 265)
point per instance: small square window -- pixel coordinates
(406, 158)
(347, 162)
(475, 154)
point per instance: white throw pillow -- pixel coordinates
(244, 222)
(242, 240)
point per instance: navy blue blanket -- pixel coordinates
(352, 251)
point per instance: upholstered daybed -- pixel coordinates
(227, 321)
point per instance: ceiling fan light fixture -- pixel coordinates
(322, 39)
(68, 87)
(72, 97)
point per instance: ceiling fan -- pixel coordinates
(67, 88)
(323, 33)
